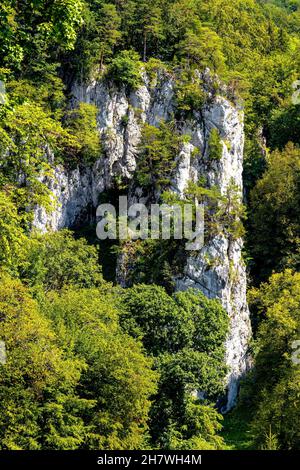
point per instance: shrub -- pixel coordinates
(83, 125)
(125, 69)
(190, 97)
(215, 145)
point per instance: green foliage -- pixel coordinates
(190, 94)
(285, 126)
(125, 69)
(29, 32)
(55, 260)
(153, 67)
(254, 161)
(271, 441)
(82, 124)
(11, 233)
(202, 48)
(148, 17)
(39, 407)
(231, 213)
(274, 213)
(236, 427)
(276, 376)
(210, 321)
(107, 25)
(156, 318)
(63, 386)
(48, 94)
(158, 150)
(215, 146)
(33, 138)
(74, 379)
(186, 334)
(181, 376)
(224, 213)
(200, 431)
(118, 377)
(29, 135)
(66, 16)
(153, 262)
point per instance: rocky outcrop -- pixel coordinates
(120, 117)
(218, 269)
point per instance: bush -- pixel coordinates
(117, 379)
(83, 126)
(190, 97)
(185, 333)
(158, 150)
(215, 145)
(125, 69)
(55, 260)
(39, 408)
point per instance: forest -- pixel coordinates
(90, 364)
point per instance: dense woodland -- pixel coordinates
(91, 365)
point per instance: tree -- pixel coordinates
(200, 432)
(33, 139)
(125, 69)
(30, 137)
(190, 94)
(184, 376)
(202, 48)
(158, 150)
(39, 406)
(28, 32)
(275, 210)
(107, 27)
(118, 377)
(225, 212)
(55, 260)
(209, 318)
(186, 334)
(154, 316)
(276, 376)
(215, 145)
(65, 18)
(12, 53)
(179, 17)
(72, 379)
(148, 19)
(284, 126)
(11, 234)
(82, 124)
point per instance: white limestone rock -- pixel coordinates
(218, 269)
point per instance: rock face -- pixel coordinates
(218, 269)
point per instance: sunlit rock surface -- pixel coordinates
(218, 269)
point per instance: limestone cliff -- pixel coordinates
(218, 269)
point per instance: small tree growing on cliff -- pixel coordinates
(158, 150)
(215, 146)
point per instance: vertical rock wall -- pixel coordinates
(218, 269)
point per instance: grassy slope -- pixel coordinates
(236, 432)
